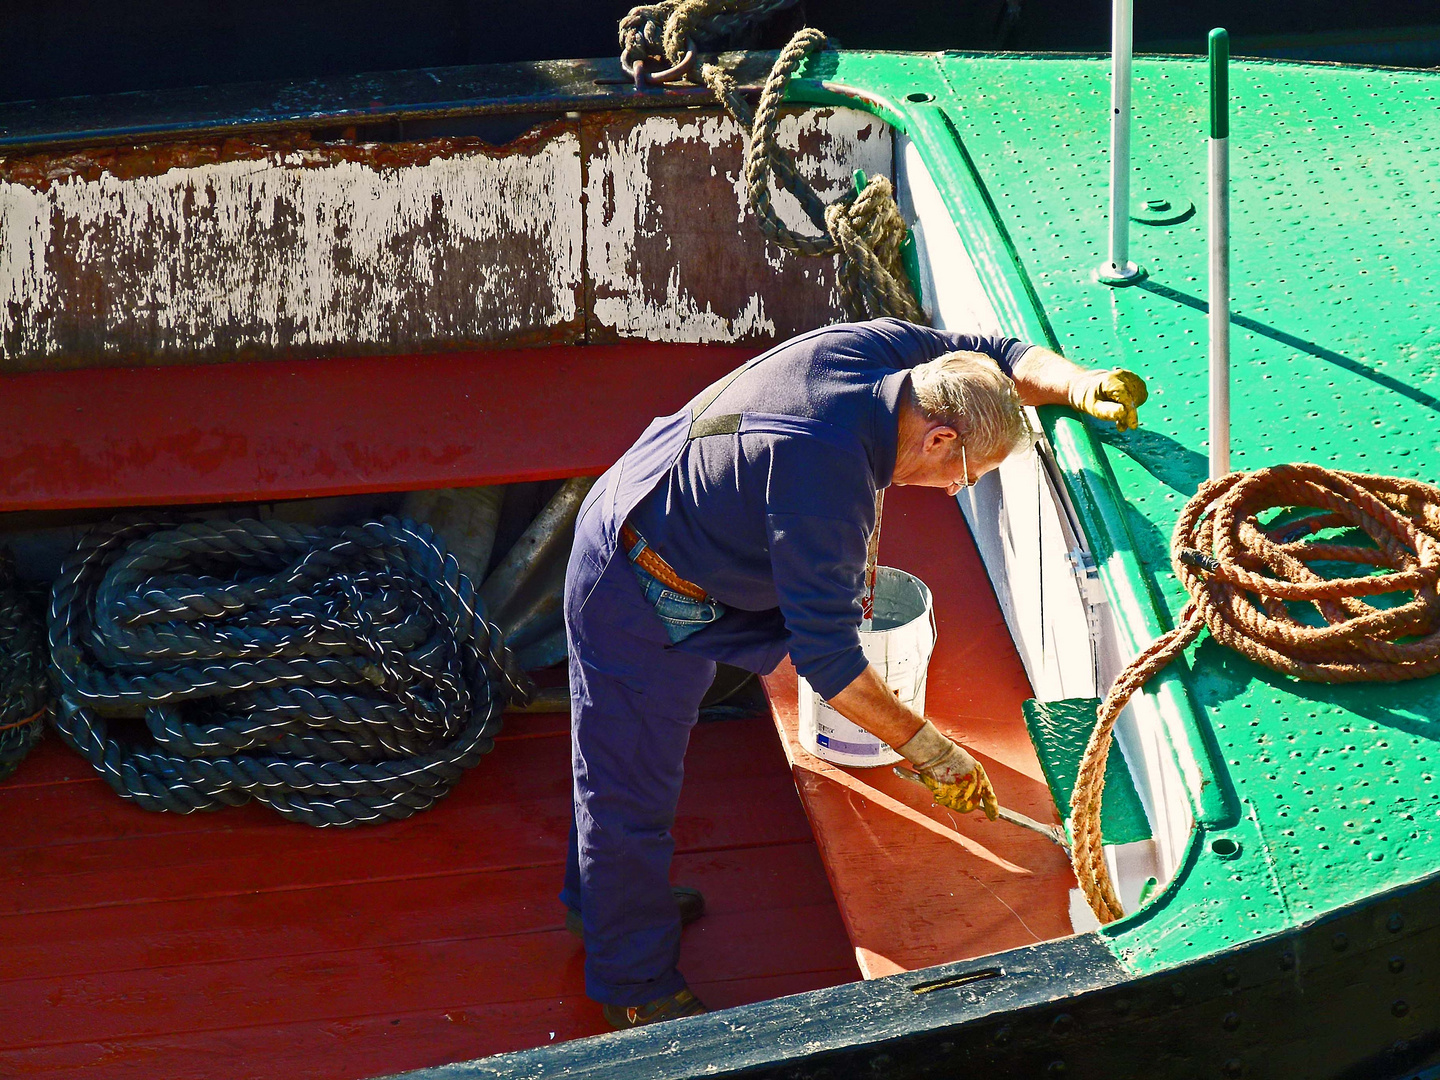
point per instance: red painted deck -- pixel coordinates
(913, 896)
(235, 945)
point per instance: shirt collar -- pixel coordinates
(888, 396)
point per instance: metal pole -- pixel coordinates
(1118, 269)
(1219, 253)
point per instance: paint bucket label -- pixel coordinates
(898, 644)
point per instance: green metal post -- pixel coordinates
(1219, 253)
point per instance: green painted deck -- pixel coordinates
(1330, 791)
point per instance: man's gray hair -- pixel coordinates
(968, 392)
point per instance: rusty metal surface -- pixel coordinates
(296, 149)
(672, 249)
(597, 227)
(235, 249)
(553, 86)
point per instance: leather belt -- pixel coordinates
(658, 568)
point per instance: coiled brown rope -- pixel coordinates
(1241, 575)
(864, 229)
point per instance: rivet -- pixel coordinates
(1397, 965)
(1339, 942)
(1002, 1035)
(1287, 961)
(1157, 204)
(1177, 991)
(1232, 977)
(1233, 1067)
(1395, 923)
(1231, 1021)
(880, 1063)
(1056, 1068)
(1399, 1009)
(1400, 1046)
(1062, 1023)
(1122, 1005)
(947, 1048)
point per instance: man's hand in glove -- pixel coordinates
(957, 779)
(1109, 395)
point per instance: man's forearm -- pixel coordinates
(1043, 377)
(868, 702)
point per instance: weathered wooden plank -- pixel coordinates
(240, 249)
(673, 252)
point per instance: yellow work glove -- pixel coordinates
(956, 779)
(1109, 395)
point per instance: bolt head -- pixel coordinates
(1231, 1021)
(1397, 965)
(1395, 923)
(1399, 1009)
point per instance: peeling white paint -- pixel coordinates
(295, 251)
(270, 254)
(24, 239)
(624, 217)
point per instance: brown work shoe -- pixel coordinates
(681, 1003)
(691, 903)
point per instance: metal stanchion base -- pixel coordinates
(1109, 273)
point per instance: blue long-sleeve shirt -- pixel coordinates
(777, 524)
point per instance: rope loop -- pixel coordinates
(866, 230)
(656, 35)
(1247, 547)
(339, 675)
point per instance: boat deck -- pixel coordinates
(236, 945)
(912, 894)
(1326, 793)
(232, 944)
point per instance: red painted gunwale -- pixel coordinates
(271, 430)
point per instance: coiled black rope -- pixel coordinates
(339, 675)
(24, 689)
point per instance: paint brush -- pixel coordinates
(1054, 833)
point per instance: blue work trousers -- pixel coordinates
(633, 701)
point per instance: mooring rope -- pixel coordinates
(339, 675)
(865, 229)
(24, 688)
(650, 31)
(1241, 575)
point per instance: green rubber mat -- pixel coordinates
(1060, 730)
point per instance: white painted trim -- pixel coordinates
(1067, 636)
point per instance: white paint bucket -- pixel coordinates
(898, 644)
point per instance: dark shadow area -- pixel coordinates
(1172, 463)
(63, 48)
(1355, 367)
